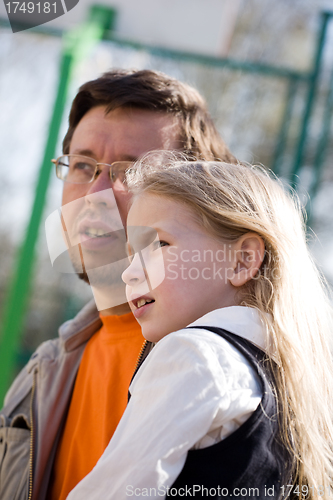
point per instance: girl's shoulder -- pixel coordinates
(200, 351)
(200, 341)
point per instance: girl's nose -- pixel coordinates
(135, 273)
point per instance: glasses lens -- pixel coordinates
(118, 172)
(76, 169)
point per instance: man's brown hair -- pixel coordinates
(155, 91)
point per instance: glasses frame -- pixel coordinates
(97, 170)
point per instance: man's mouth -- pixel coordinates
(93, 232)
(98, 229)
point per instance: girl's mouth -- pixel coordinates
(141, 306)
(142, 302)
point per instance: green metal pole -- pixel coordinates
(76, 45)
(321, 151)
(323, 140)
(310, 99)
(282, 138)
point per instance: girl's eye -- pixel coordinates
(159, 244)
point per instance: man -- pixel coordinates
(63, 408)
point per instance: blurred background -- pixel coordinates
(264, 67)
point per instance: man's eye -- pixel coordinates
(83, 166)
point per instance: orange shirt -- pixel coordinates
(98, 402)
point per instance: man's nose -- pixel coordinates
(101, 182)
(101, 194)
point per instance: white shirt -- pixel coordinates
(193, 390)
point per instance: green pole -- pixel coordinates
(323, 140)
(282, 138)
(76, 45)
(321, 151)
(310, 99)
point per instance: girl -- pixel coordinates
(235, 396)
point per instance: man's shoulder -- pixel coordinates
(23, 382)
(73, 334)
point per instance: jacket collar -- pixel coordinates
(78, 330)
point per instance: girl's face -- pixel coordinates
(178, 272)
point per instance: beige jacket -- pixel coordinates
(36, 406)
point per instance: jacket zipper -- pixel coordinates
(139, 360)
(32, 435)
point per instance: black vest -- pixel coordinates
(251, 463)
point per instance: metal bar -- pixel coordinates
(282, 138)
(323, 140)
(232, 64)
(76, 43)
(310, 99)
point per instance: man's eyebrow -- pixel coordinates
(90, 153)
(83, 152)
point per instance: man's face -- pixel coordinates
(99, 207)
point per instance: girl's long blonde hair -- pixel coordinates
(288, 291)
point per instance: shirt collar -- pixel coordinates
(241, 320)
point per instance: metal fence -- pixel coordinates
(263, 111)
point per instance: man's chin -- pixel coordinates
(110, 308)
(105, 281)
(77, 265)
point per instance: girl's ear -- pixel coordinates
(249, 253)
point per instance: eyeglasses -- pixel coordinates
(78, 169)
